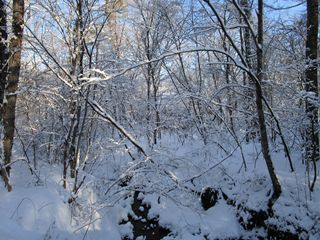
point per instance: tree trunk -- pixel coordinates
(77, 69)
(259, 103)
(3, 77)
(12, 79)
(3, 53)
(252, 127)
(311, 86)
(257, 79)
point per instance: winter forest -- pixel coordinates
(159, 119)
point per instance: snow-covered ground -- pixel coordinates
(168, 182)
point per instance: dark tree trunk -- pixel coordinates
(257, 79)
(311, 86)
(259, 103)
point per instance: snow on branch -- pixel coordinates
(105, 116)
(106, 77)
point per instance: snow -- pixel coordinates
(32, 211)
(217, 222)
(170, 76)
(40, 210)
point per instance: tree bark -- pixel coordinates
(3, 78)
(12, 79)
(252, 127)
(77, 69)
(311, 86)
(3, 53)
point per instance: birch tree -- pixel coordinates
(11, 80)
(3, 78)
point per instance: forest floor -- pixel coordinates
(160, 197)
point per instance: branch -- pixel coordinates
(105, 116)
(284, 8)
(254, 36)
(212, 167)
(160, 58)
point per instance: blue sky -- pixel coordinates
(287, 13)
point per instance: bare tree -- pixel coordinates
(257, 79)
(151, 34)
